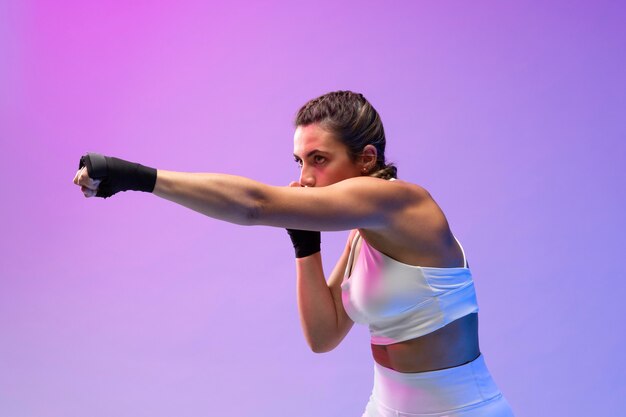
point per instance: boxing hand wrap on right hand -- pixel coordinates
(117, 175)
(305, 242)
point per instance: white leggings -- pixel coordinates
(463, 391)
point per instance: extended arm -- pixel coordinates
(353, 203)
(360, 202)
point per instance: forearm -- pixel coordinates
(316, 306)
(225, 197)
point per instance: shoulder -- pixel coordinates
(397, 202)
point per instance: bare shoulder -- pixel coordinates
(416, 191)
(421, 216)
(415, 232)
(401, 201)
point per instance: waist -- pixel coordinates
(450, 346)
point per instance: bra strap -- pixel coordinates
(462, 251)
(351, 257)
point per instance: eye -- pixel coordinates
(298, 161)
(319, 159)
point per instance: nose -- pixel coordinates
(307, 178)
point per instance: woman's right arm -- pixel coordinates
(322, 316)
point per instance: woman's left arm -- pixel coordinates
(361, 202)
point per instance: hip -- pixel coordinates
(467, 390)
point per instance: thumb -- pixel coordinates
(295, 184)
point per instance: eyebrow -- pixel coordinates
(310, 153)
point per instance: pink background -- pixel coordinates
(512, 114)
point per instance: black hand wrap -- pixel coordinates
(117, 174)
(305, 242)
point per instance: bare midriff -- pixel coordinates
(450, 346)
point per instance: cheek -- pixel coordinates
(341, 173)
(327, 176)
(335, 171)
(348, 169)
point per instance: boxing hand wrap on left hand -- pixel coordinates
(305, 242)
(117, 175)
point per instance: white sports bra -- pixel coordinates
(401, 302)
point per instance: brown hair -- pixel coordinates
(354, 121)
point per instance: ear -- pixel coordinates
(368, 158)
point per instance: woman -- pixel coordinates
(402, 271)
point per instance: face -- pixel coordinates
(323, 159)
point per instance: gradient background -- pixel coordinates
(512, 114)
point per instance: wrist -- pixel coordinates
(117, 175)
(305, 242)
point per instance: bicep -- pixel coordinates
(362, 202)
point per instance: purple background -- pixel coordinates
(512, 114)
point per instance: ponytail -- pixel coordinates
(387, 172)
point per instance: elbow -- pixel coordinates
(321, 349)
(253, 213)
(255, 208)
(322, 346)
(252, 208)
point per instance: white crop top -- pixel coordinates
(400, 301)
